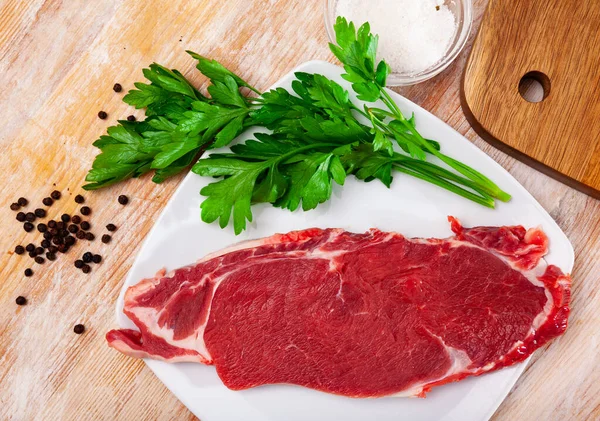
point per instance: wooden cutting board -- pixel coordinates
(555, 44)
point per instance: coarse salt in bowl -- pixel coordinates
(417, 38)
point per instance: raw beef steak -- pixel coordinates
(360, 315)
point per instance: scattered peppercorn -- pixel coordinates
(21, 216)
(60, 225)
(57, 240)
(97, 258)
(123, 200)
(111, 227)
(22, 201)
(79, 199)
(40, 213)
(63, 232)
(73, 228)
(70, 240)
(30, 247)
(131, 118)
(102, 115)
(86, 268)
(52, 249)
(45, 243)
(30, 216)
(39, 250)
(55, 195)
(79, 263)
(39, 260)
(42, 227)
(32, 254)
(89, 236)
(85, 211)
(47, 201)
(15, 206)
(117, 87)
(48, 235)
(80, 235)
(63, 248)
(52, 224)
(19, 249)
(79, 329)
(28, 272)
(28, 226)
(87, 257)
(50, 256)
(76, 219)
(21, 301)
(85, 225)
(65, 217)
(53, 232)
(106, 238)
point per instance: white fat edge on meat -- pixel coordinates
(460, 363)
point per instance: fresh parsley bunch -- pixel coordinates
(318, 136)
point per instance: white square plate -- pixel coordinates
(411, 207)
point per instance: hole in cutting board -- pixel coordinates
(534, 86)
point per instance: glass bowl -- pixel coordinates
(463, 12)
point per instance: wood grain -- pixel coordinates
(559, 41)
(58, 62)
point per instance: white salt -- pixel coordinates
(413, 34)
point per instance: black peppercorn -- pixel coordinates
(50, 256)
(79, 199)
(45, 243)
(97, 258)
(111, 227)
(22, 201)
(55, 195)
(78, 263)
(30, 217)
(69, 240)
(30, 247)
(52, 249)
(106, 238)
(85, 211)
(39, 260)
(60, 225)
(89, 236)
(80, 235)
(47, 201)
(42, 227)
(57, 240)
(131, 118)
(28, 226)
(39, 250)
(19, 249)
(21, 217)
(15, 206)
(63, 232)
(76, 219)
(48, 235)
(63, 248)
(85, 225)
(87, 257)
(53, 232)
(32, 254)
(79, 329)
(40, 213)
(21, 301)
(28, 272)
(65, 217)
(52, 224)
(86, 268)
(102, 115)
(73, 228)
(123, 200)
(117, 87)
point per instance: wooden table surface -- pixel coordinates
(58, 63)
